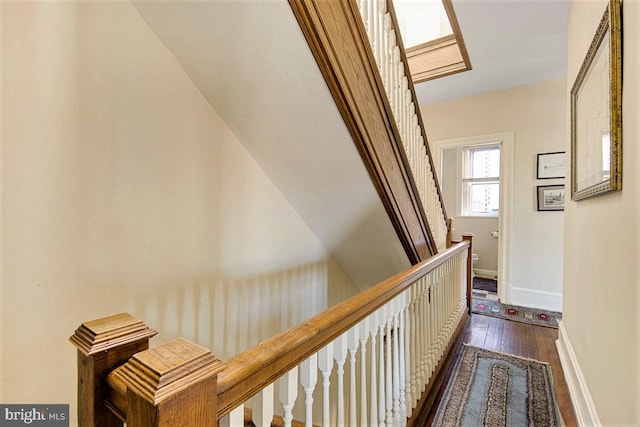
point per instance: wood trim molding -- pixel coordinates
(583, 405)
(440, 57)
(434, 59)
(455, 26)
(337, 39)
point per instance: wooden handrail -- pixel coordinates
(250, 371)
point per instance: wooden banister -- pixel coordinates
(180, 383)
(249, 372)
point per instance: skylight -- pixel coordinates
(432, 38)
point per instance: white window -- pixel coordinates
(481, 180)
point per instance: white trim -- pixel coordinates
(505, 220)
(535, 298)
(585, 409)
(487, 274)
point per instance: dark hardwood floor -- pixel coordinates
(520, 339)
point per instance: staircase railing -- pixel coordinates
(381, 26)
(372, 360)
(359, 50)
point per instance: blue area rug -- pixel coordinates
(496, 389)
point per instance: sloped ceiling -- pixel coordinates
(252, 63)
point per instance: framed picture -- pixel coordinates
(596, 112)
(551, 165)
(551, 197)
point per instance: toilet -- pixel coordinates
(474, 259)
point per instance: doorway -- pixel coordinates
(452, 161)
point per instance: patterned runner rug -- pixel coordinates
(513, 312)
(495, 389)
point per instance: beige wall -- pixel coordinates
(536, 114)
(601, 288)
(124, 191)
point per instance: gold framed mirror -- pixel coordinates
(596, 112)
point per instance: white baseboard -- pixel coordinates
(534, 298)
(584, 408)
(486, 274)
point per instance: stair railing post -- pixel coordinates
(469, 238)
(103, 345)
(172, 385)
(449, 231)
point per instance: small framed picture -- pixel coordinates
(551, 197)
(551, 165)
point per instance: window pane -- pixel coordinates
(483, 163)
(484, 198)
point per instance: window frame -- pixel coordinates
(467, 183)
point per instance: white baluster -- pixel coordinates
(396, 359)
(340, 355)
(308, 380)
(386, 29)
(406, 98)
(391, 38)
(373, 20)
(364, 331)
(404, 356)
(411, 333)
(379, 33)
(396, 83)
(389, 365)
(325, 364)
(381, 365)
(288, 385)
(364, 13)
(262, 410)
(427, 320)
(373, 386)
(352, 343)
(235, 418)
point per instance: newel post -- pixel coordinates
(449, 231)
(172, 385)
(469, 238)
(103, 345)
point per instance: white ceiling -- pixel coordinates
(510, 43)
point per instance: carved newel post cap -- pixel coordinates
(110, 332)
(161, 372)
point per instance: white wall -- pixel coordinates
(601, 289)
(122, 190)
(536, 114)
